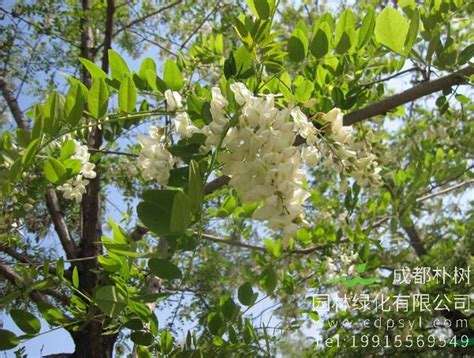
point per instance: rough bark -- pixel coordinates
(12, 104)
(90, 341)
(410, 95)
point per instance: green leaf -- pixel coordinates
(304, 90)
(165, 211)
(319, 46)
(214, 322)
(8, 340)
(228, 307)
(94, 70)
(134, 324)
(466, 54)
(23, 137)
(60, 268)
(30, 152)
(51, 314)
(147, 65)
(73, 166)
(243, 34)
(118, 66)
(345, 32)
(67, 150)
(273, 247)
(53, 113)
(54, 170)
(164, 269)
(196, 186)
(143, 352)
(391, 29)
(27, 322)
(127, 96)
(361, 268)
(151, 79)
(38, 125)
(110, 300)
(173, 76)
(297, 46)
(268, 280)
(166, 342)
(246, 295)
(98, 98)
(412, 31)
(142, 338)
(74, 106)
(109, 264)
(259, 8)
(75, 277)
(367, 28)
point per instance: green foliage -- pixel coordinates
(165, 212)
(246, 295)
(345, 32)
(172, 76)
(26, 321)
(94, 70)
(111, 300)
(127, 97)
(118, 67)
(391, 29)
(164, 269)
(74, 105)
(202, 243)
(98, 98)
(8, 340)
(54, 171)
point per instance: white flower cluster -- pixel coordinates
(351, 158)
(75, 187)
(259, 155)
(154, 159)
(347, 265)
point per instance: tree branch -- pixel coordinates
(244, 245)
(13, 104)
(444, 191)
(109, 25)
(214, 9)
(143, 18)
(59, 224)
(415, 240)
(410, 95)
(216, 184)
(395, 75)
(16, 280)
(140, 231)
(23, 258)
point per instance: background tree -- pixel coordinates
(198, 251)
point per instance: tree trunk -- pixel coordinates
(90, 341)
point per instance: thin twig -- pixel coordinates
(195, 31)
(444, 191)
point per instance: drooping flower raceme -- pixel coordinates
(155, 160)
(350, 157)
(75, 187)
(258, 153)
(259, 156)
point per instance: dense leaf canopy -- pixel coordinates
(227, 178)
